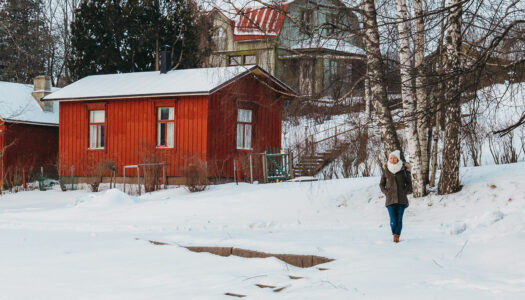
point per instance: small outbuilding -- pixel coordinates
(209, 116)
(28, 131)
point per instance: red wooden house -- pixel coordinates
(28, 130)
(210, 115)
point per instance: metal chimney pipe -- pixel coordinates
(165, 61)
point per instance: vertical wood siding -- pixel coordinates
(31, 147)
(249, 93)
(130, 130)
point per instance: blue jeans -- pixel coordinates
(396, 217)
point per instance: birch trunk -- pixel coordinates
(438, 99)
(449, 178)
(422, 93)
(409, 105)
(377, 80)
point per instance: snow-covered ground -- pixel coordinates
(81, 245)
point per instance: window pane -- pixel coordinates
(219, 38)
(96, 116)
(164, 113)
(93, 136)
(170, 135)
(247, 136)
(244, 115)
(234, 60)
(250, 60)
(100, 136)
(239, 136)
(162, 134)
(172, 113)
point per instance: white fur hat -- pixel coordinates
(396, 153)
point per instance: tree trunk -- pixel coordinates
(438, 98)
(422, 92)
(449, 179)
(409, 106)
(377, 80)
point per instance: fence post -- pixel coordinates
(72, 176)
(251, 169)
(234, 172)
(290, 161)
(24, 184)
(164, 176)
(265, 171)
(124, 179)
(138, 178)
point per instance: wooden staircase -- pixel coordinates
(311, 164)
(320, 149)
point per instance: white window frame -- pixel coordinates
(169, 127)
(244, 129)
(97, 129)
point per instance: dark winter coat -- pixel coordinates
(396, 186)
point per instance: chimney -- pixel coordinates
(41, 88)
(165, 60)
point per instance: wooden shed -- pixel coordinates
(28, 131)
(208, 115)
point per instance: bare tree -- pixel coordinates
(408, 99)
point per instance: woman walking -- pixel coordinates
(395, 184)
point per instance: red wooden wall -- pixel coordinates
(31, 147)
(249, 93)
(205, 130)
(131, 134)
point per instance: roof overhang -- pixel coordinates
(29, 122)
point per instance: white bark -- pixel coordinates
(449, 178)
(409, 105)
(423, 115)
(376, 78)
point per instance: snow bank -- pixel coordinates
(108, 199)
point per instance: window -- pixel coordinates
(219, 39)
(331, 22)
(165, 127)
(306, 20)
(244, 129)
(250, 60)
(235, 60)
(96, 129)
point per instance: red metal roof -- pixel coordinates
(258, 23)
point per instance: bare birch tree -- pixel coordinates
(449, 177)
(409, 104)
(376, 79)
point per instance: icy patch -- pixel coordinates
(109, 198)
(458, 228)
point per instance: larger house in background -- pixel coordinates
(210, 115)
(28, 130)
(295, 41)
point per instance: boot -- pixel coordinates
(396, 238)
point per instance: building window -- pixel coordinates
(96, 129)
(235, 60)
(250, 60)
(165, 127)
(306, 20)
(219, 39)
(244, 129)
(331, 22)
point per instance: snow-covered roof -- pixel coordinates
(18, 105)
(176, 82)
(330, 44)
